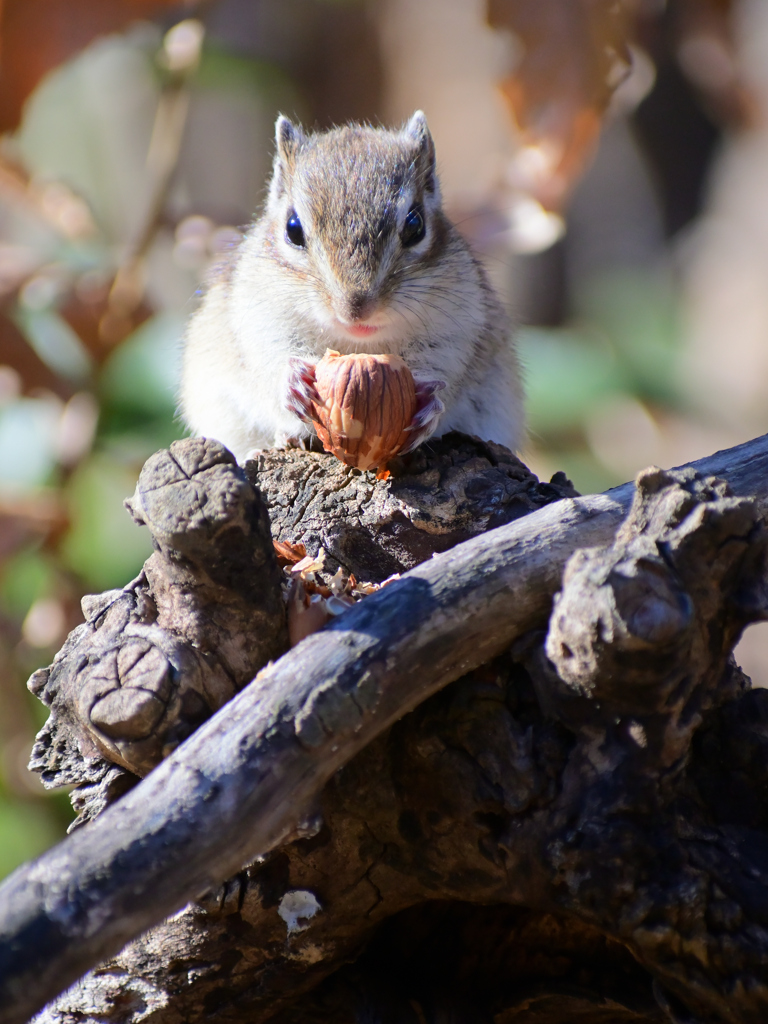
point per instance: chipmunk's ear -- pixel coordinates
(418, 130)
(288, 140)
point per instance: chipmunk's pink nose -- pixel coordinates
(359, 313)
(360, 306)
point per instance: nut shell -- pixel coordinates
(368, 402)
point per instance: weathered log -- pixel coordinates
(444, 493)
(158, 657)
(597, 816)
(455, 612)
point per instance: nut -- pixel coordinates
(368, 402)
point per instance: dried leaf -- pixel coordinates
(339, 583)
(310, 564)
(575, 54)
(365, 589)
(288, 553)
(93, 318)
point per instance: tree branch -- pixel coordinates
(239, 786)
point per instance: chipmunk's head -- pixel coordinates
(355, 212)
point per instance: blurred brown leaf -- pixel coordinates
(16, 352)
(100, 322)
(706, 52)
(38, 35)
(24, 517)
(575, 54)
(52, 203)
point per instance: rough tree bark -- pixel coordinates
(573, 830)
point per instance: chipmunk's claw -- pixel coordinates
(429, 409)
(301, 390)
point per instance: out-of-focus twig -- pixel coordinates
(179, 57)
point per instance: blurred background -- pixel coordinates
(609, 160)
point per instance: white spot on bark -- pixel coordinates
(297, 908)
(637, 732)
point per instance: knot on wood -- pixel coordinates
(186, 493)
(134, 691)
(635, 625)
(138, 677)
(157, 658)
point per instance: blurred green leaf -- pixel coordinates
(564, 373)
(638, 312)
(143, 372)
(27, 441)
(588, 475)
(25, 577)
(88, 123)
(138, 387)
(223, 69)
(104, 546)
(26, 830)
(55, 342)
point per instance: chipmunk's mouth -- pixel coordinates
(356, 329)
(360, 330)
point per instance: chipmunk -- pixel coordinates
(353, 252)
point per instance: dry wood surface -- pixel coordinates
(637, 669)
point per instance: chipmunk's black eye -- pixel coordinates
(294, 232)
(414, 227)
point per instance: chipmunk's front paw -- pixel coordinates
(429, 409)
(305, 443)
(301, 389)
